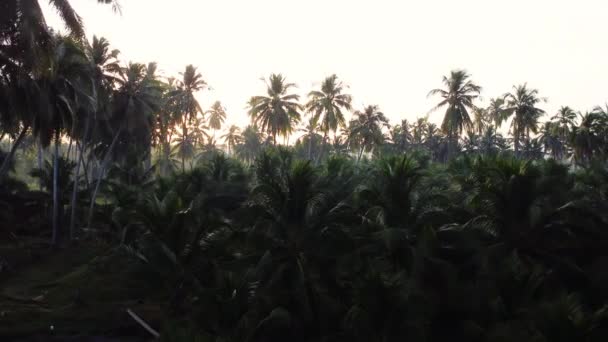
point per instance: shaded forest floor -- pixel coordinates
(81, 291)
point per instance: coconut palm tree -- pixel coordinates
(134, 102)
(522, 104)
(232, 137)
(217, 116)
(64, 88)
(251, 144)
(366, 128)
(279, 111)
(401, 136)
(564, 119)
(458, 96)
(187, 104)
(327, 105)
(586, 139)
(496, 111)
(481, 120)
(552, 141)
(310, 136)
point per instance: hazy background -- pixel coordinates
(391, 53)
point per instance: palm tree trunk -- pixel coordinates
(7, 160)
(75, 186)
(318, 159)
(56, 199)
(102, 167)
(309, 147)
(40, 151)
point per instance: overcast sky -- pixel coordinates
(391, 53)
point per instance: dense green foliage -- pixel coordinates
(358, 231)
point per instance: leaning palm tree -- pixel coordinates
(232, 137)
(522, 103)
(217, 116)
(138, 96)
(277, 112)
(327, 106)
(458, 96)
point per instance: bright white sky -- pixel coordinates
(391, 53)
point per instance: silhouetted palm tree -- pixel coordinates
(366, 128)
(277, 112)
(232, 137)
(458, 97)
(327, 105)
(217, 116)
(522, 104)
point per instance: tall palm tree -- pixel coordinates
(310, 135)
(251, 144)
(481, 120)
(232, 137)
(522, 104)
(551, 139)
(277, 112)
(401, 136)
(586, 138)
(134, 102)
(564, 119)
(496, 111)
(366, 128)
(217, 116)
(191, 83)
(66, 86)
(327, 105)
(458, 97)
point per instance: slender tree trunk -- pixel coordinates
(56, 197)
(7, 160)
(318, 159)
(102, 167)
(81, 151)
(310, 147)
(360, 153)
(75, 186)
(40, 152)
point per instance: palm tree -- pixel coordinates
(401, 136)
(366, 128)
(277, 112)
(326, 106)
(251, 144)
(191, 82)
(496, 111)
(105, 67)
(585, 138)
(232, 137)
(480, 120)
(564, 119)
(217, 116)
(138, 96)
(458, 96)
(64, 88)
(522, 104)
(310, 135)
(552, 141)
